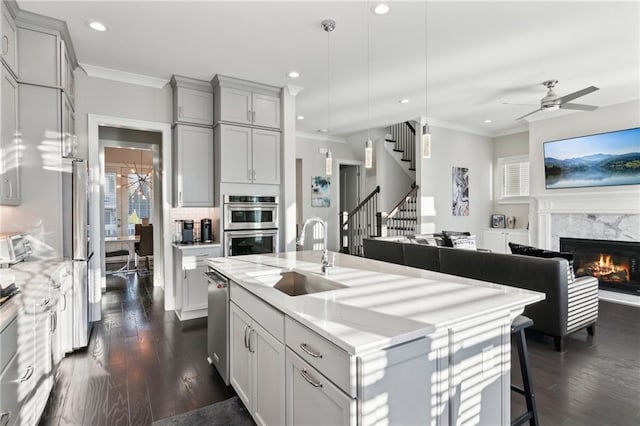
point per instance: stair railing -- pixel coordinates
(404, 135)
(403, 218)
(363, 221)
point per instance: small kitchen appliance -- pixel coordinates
(205, 231)
(187, 231)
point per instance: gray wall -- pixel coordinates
(113, 98)
(313, 164)
(453, 148)
(507, 146)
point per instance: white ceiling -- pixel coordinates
(480, 54)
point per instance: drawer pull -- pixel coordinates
(5, 416)
(308, 378)
(250, 349)
(307, 349)
(27, 374)
(246, 345)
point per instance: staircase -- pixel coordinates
(403, 218)
(403, 138)
(361, 222)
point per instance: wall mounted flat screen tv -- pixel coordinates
(604, 159)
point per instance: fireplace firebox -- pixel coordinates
(616, 264)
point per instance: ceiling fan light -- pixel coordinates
(368, 154)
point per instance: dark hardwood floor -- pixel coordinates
(142, 364)
(596, 381)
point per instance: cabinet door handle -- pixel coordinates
(305, 374)
(64, 297)
(27, 374)
(179, 111)
(248, 115)
(246, 327)
(180, 198)
(5, 416)
(308, 350)
(185, 273)
(250, 349)
(44, 302)
(253, 116)
(5, 45)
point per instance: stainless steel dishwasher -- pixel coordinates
(218, 323)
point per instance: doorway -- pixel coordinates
(162, 171)
(349, 187)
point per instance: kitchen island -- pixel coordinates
(389, 345)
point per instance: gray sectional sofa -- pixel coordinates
(568, 307)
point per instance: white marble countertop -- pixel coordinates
(33, 277)
(384, 305)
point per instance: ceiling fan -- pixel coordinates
(554, 102)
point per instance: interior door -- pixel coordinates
(128, 199)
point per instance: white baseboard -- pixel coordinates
(622, 298)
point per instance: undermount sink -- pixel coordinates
(296, 284)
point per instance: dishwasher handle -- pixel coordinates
(216, 279)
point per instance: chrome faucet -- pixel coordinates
(325, 254)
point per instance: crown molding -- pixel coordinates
(319, 137)
(123, 76)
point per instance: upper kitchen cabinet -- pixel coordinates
(9, 40)
(245, 102)
(192, 101)
(38, 55)
(66, 74)
(193, 166)
(248, 155)
(9, 143)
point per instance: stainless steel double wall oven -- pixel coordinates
(250, 224)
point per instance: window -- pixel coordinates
(514, 178)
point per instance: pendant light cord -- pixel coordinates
(426, 80)
(368, 75)
(328, 81)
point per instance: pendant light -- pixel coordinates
(426, 135)
(328, 164)
(368, 146)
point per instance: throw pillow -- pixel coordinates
(446, 235)
(537, 252)
(464, 242)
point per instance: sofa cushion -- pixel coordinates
(422, 256)
(387, 251)
(464, 242)
(447, 236)
(547, 254)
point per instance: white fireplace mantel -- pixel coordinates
(591, 210)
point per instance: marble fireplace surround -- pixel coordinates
(606, 215)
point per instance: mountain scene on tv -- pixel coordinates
(605, 159)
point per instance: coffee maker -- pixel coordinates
(187, 231)
(206, 236)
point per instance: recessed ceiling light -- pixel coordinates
(404, 101)
(294, 74)
(381, 9)
(487, 121)
(98, 26)
(323, 130)
(300, 117)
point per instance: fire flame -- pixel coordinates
(607, 269)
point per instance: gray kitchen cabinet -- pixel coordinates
(9, 142)
(245, 102)
(250, 155)
(192, 101)
(193, 166)
(190, 264)
(69, 140)
(68, 81)
(257, 357)
(9, 40)
(38, 55)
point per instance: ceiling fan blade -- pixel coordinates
(511, 103)
(574, 95)
(580, 107)
(526, 115)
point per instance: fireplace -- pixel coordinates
(616, 264)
